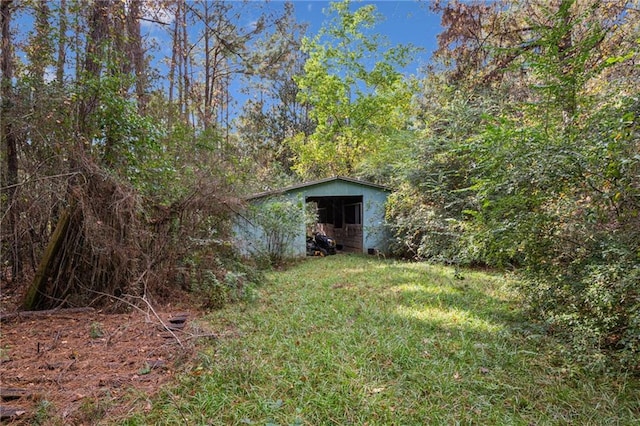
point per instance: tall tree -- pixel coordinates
(175, 47)
(8, 135)
(273, 114)
(62, 42)
(100, 13)
(550, 161)
(40, 53)
(357, 93)
(137, 53)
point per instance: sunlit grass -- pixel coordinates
(358, 340)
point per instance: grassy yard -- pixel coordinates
(353, 340)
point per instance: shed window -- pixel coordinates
(353, 214)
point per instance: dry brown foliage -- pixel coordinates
(119, 246)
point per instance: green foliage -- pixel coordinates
(216, 279)
(145, 369)
(430, 211)
(271, 226)
(266, 123)
(593, 304)
(358, 97)
(585, 283)
(92, 410)
(5, 351)
(42, 412)
(96, 331)
(212, 293)
(544, 180)
(557, 198)
(126, 141)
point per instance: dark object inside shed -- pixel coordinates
(321, 245)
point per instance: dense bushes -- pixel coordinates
(546, 182)
(560, 207)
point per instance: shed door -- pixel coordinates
(352, 227)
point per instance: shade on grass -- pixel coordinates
(359, 340)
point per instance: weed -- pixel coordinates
(42, 413)
(146, 369)
(96, 330)
(92, 410)
(4, 352)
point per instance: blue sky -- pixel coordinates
(404, 22)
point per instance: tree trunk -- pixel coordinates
(62, 42)
(174, 53)
(41, 52)
(137, 54)
(98, 30)
(206, 116)
(33, 297)
(185, 68)
(565, 53)
(120, 40)
(9, 137)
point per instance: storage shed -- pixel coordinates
(349, 210)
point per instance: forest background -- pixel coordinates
(516, 147)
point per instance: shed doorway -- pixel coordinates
(340, 217)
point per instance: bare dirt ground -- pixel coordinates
(82, 367)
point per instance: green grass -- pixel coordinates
(353, 340)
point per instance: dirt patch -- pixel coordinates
(70, 367)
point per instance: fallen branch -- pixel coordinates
(37, 314)
(7, 394)
(8, 413)
(120, 299)
(64, 370)
(144, 299)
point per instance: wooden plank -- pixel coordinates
(35, 292)
(8, 394)
(176, 326)
(179, 318)
(7, 413)
(39, 314)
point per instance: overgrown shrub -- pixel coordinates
(593, 301)
(557, 203)
(270, 227)
(216, 275)
(212, 293)
(421, 231)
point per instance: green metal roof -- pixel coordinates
(317, 182)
